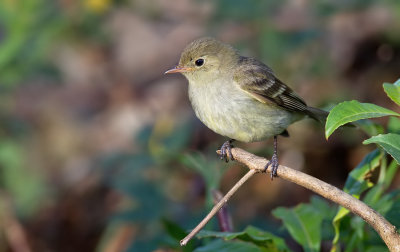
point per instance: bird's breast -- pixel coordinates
(229, 111)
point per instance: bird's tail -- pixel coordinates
(317, 114)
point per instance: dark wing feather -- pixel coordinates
(258, 80)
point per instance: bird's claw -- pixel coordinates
(226, 151)
(274, 166)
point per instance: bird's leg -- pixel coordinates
(226, 152)
(274, 160)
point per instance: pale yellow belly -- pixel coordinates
(238, 116)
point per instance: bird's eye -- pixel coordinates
(199, 62)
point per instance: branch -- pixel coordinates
(217, 207)
(386, 230)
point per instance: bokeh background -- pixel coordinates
(101, 151)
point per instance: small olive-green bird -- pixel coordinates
(239, 97)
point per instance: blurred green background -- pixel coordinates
(100, 151)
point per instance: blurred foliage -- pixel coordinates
(30, 31)
(76, 177)
(28, 191)
(131, 174)
(275, 42)
(26, 36)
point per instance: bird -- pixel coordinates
(240, 97)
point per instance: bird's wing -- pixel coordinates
(258, 80)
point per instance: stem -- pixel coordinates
(217, 207)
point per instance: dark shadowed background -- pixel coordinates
(101, 151)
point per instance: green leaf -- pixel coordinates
(393, 211)
(393, 91)
(342, 212)
(387, 203)
(250, 234)
(389, 142)
(391, 172)
(381, 248)
(356, 183)
(351, 111)
(303, 223)
(224, 246)
(386, 174)
(393, 125)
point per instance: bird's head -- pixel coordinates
(205, 59)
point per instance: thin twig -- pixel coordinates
(218, 206)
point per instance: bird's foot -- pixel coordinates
(274, 166)
(226, 151)
(274, 160)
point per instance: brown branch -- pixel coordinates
(386, 230)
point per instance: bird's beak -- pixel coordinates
(178, 69)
